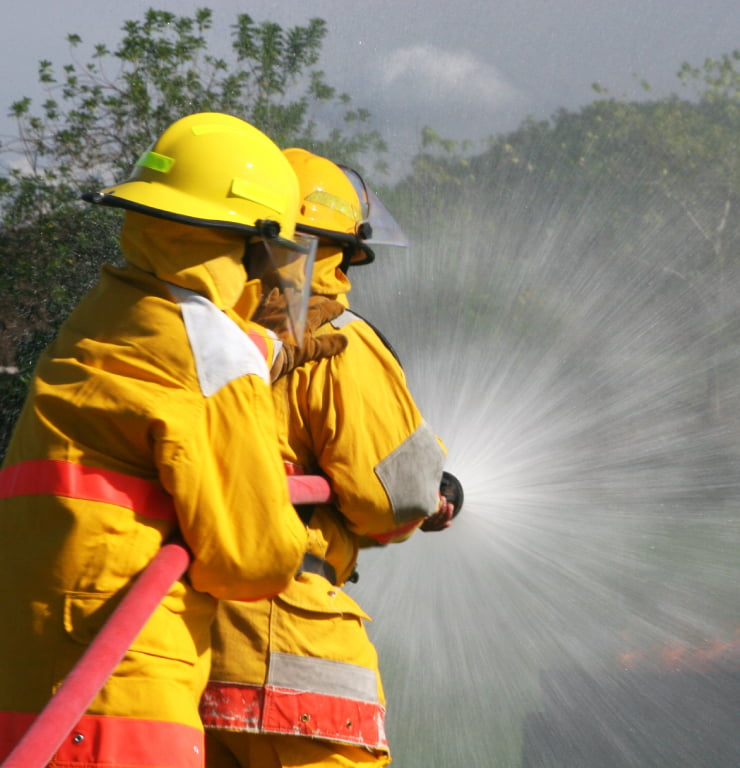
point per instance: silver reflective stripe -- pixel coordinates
(322, 676)
(221, 349)
(411, 475)
(344, 319)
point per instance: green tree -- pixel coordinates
(639, 168)
(687, 152)
(99, 115)
(679, 154)
(46, 267)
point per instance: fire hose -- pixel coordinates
(49, 729)
(47, 732)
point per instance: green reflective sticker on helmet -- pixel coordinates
(335, 203)
(156, 162)
(247, 190)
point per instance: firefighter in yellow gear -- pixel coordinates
(295, 679)
(126, 437)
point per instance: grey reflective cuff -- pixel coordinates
(322, 676)
(411, 475)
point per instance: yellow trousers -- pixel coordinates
(229, 749)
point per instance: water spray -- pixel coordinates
(583, 611)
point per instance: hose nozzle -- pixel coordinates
(451, 488)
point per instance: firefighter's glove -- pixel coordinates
(449, 504)
(273, 314)
(442, 518)
(313, 348)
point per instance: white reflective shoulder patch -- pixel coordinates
(344, 319)
(221, 349)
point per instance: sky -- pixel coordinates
(466, 68)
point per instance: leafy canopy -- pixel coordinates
(100, 115)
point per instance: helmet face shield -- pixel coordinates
(378, 224)
(290, 270)
(385, 229)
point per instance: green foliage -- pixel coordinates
(658, 158)
(635, 169)
(47, 267)
(440, 172)
(100, 115)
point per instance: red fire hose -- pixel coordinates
(88, 676)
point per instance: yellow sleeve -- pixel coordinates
(221, 462)
(231, 494)
(355, 414)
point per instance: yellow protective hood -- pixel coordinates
(328, 279)
(201, 259)
(250, 299)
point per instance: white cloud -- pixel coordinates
(453, 92)
(446, 78)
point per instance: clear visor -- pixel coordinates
(291, 271)
(385, 229)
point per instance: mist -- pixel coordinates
(583, 609)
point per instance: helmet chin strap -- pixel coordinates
(348, 253)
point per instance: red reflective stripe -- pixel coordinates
(384, 538)
(77, 481)
(12, 726)
(234, 706)
(261, 343)
(99, 740)
(325, 717)
(282, 710)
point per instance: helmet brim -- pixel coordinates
(362, 253)
(162, 210)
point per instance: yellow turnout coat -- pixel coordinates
(127, 436)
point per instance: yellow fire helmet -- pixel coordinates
(213, 170)
(335, 204)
